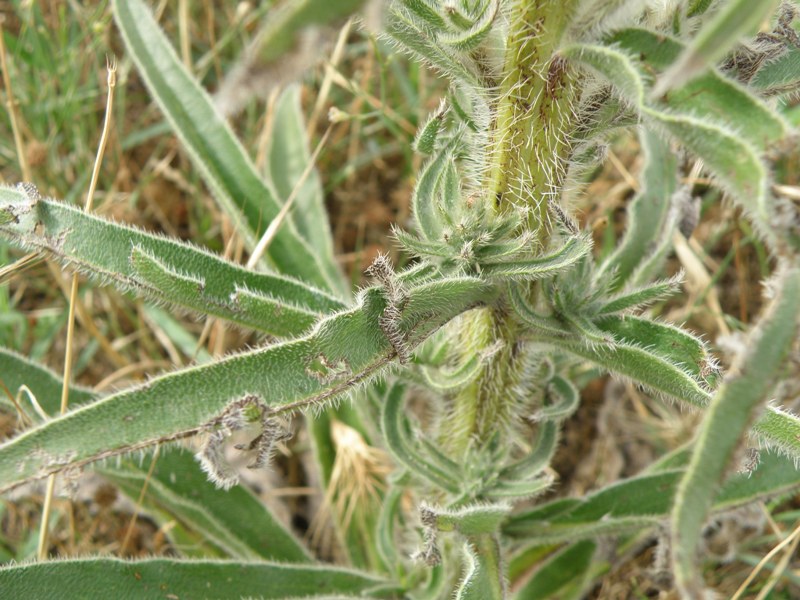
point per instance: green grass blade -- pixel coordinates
(216, 153)
(343, 351)
(161, 268)
(733, 408)
(289, 156)
(160, 578)
(235, 521)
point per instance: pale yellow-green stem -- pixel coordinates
(530, 147)
(534, 113)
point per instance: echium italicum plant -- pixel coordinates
(504, 314)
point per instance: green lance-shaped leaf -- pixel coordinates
(471, 38)
(289, 156)
(17, 371)
(566, 401)
(727, 154)
(647, 213)
(402, 446)
(403, 26)
(425, 140)
(161, 268)
(538, 458)
(235, 520)
(725, 29)
(733, 408)
(538, 268)
(776, 428)
(641, 502)
(425, 13)
(779, 76)
(676, 345)
(483, 578)
(564, 574)
(343, 351)
(425, 202)
(644, 366)
(159, 578)
(711, 94)
(530, 317)
(216, 153)
(448, 380)
(503, 490)
(641, 296)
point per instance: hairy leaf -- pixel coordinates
(249, 200)
(744, 390)
(161, 268)
(158, 578)
(342, 352)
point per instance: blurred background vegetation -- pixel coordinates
(55, 61)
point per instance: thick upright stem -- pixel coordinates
(534, 116)
(531, 135)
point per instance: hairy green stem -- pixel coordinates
(534, 114)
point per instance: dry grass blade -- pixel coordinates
(111, 67)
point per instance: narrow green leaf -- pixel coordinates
(343, 351)
(155, 266)
(676, 345)
(780, 76)
(470, 520)
(734, 20)
(289, 156)
(425, 201)
(536, 460)
(712, 94)
(425, 140)
(234, 520)
(640, 502)
(732, 409)
(400, 444)
(216, 153)
(567, 400)
(731, 157)
(647, 213)
(483, 577)
(644, 366)
(471, 38)
(442, 380)
(426, 13)
(564, 572)
(640, 297)
(160, 578)
(17, 371)
(403, 27)
(538, 268)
